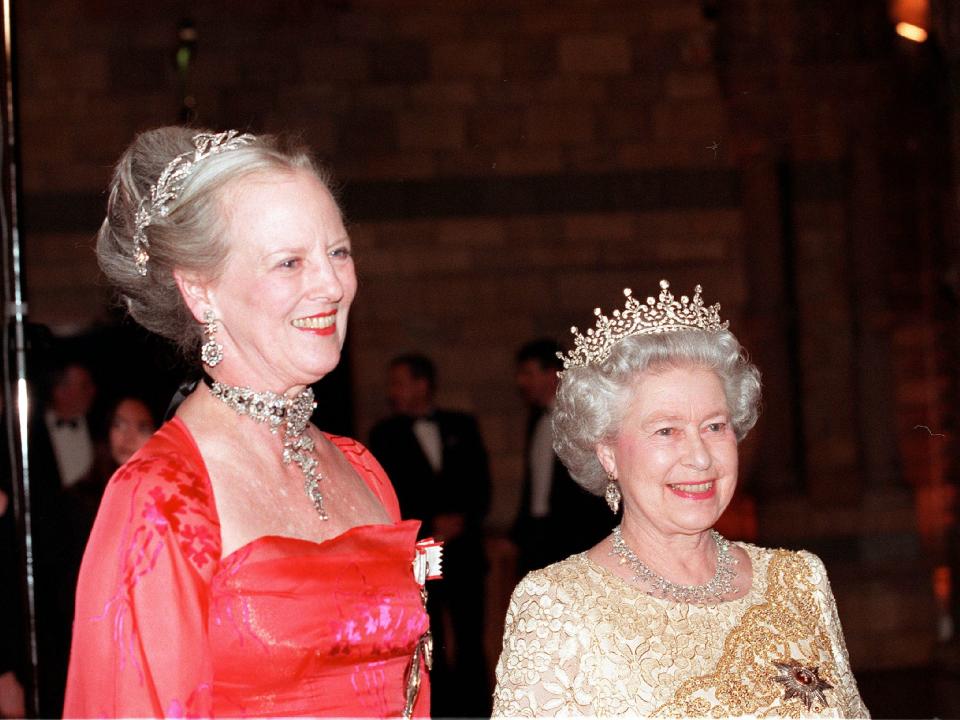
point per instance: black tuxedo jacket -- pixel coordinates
(461, 486)
(577, 520)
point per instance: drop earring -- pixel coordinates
(612, 494)
(211, 352)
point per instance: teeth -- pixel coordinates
(701, 487)
(315, 323)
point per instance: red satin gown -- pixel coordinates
(280, 627)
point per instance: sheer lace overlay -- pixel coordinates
(580, 641)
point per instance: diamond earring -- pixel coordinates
(211, 352)
(612, 493)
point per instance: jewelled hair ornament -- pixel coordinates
(170, 183)
(661, 315)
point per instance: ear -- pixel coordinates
(607, 458)
(195, 292)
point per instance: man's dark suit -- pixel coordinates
(577, 519)
(462, 486)
(54, 599)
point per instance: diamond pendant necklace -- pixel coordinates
(719, 585)
(275, 410)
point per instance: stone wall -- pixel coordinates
(508, 165)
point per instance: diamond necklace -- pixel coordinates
(275, 410)
(719, 585)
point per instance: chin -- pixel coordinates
(698, 523)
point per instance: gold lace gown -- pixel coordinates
(579, 640)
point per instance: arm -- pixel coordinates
(539, 667)
(848, 696)
(140, 645)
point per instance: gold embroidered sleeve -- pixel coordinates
(848, 696)
(538, 668)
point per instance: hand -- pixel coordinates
(448, 526)
(4, 502)
(11, 696)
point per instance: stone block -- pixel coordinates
(692, 250)
(599, 227)
(400, 61)
(486, 234)
(379, 97)
(641, 88)
(628, 18)
(560, 125)
(698, 121)
(496, 127)
(554, 20)
(493, 22)
(468, 59)
(526, 92)
(696, 49)
(363, 26)
(626, 123)
(595, 54)
(334, 62)
(696, 153)
(433, 25)
(688, 85)
(675, 16)
(525, 229)
(399, 167)
(431, 130)
(529, 57)
(528, 161)
(472, 161)
(448, 94)
(596, 158)
(368, 131)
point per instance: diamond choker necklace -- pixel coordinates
(720, 584)
(275, 410)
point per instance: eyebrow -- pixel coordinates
(667, 417)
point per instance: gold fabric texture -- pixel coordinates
(579, 640)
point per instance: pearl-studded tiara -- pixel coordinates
(170, 183)
(662, 315)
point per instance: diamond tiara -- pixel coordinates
(662, 315)
(170, 183)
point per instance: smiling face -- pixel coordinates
(676, 454)
(283, 298)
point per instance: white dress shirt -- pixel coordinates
(427, 433)
(72, 447)
(541, 465)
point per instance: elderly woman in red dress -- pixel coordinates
(243, 563)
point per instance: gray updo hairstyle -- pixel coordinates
(592, 400)
(191, 236)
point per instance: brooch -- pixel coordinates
(802, 681)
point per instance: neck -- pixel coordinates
(689, 559)
(225, 377)
(64, 414)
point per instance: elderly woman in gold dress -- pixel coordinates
(665, 617)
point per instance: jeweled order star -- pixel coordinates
(802, 682)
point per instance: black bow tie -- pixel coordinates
(72, 424)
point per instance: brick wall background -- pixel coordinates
(508, 165)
